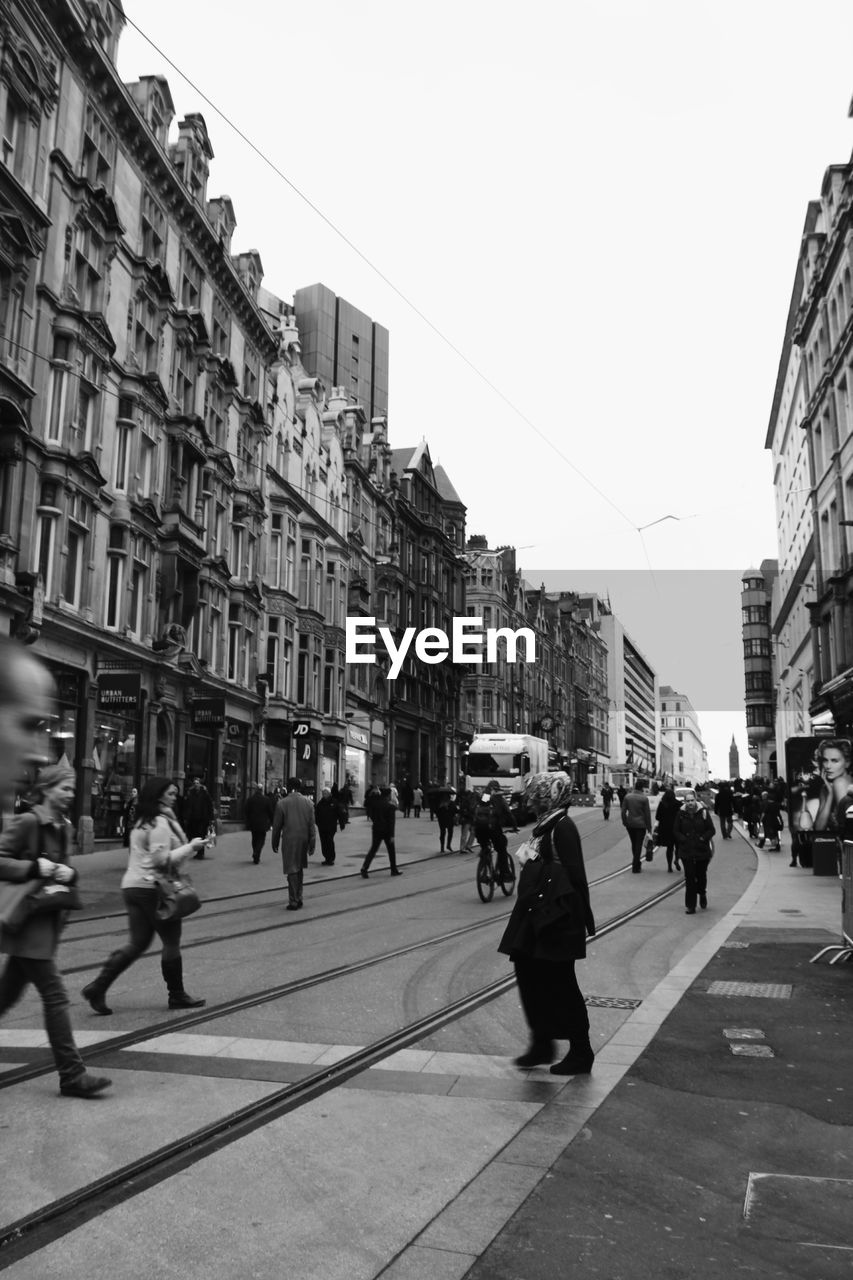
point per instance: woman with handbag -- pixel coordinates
(546, 934)
(34, 850)
(158, 847)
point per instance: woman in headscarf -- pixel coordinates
(546, 934)
(36, 848)
(158, 846)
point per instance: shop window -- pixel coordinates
(57, 390)
(115, 769)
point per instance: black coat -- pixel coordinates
(694, 833)
(668, 807)
(552, 915)
(384, 816)
(258, 813)
(327, 813)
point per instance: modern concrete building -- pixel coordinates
(343, 347)
(680, 730)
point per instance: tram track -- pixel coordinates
(27, 1235)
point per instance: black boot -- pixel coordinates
(539, 1053)
(173, 972)
(95, 991)
(578, 1061)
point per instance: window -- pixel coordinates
(220, 329)
(487, 706)
(756, 613)
(238, 536)
(215, 630)
(759, 715)
(681, 737)
(219, 530)
(116, 556)
(98, 150)
(122, 447)
(148, 469)
(145, 330)
(251, 367)
(233, 641)
(57, 389)
(46, 548)
(216, 415)
(76, 550)
(183, 385)
(290, 558)
(87, 403)
(756, 648)
(191, 277)
(153, 225)
(302, 671)
(305, 574)
(88, 267)
(330, 601)
(287, 661)
(139, 591)
(274, 565)
(273, 654)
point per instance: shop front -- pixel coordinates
(232, 796)
(307, 743)
(378, 751)
(277, 762)
(201, 744)
(405, 754)
(116, 750)
(357, 763)
(330, 763)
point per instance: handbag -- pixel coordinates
(176, 898)
(650, 848)
(19, 902)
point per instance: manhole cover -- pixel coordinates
(752, 1050)
(612, 1002)
(769, 990)
(743, 1033)
(735, 946)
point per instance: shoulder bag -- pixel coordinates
(19, 902)
(176, 896)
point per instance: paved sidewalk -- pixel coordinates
(724, 1146)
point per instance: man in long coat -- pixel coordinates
(294, 826)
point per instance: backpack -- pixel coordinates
(484, 814)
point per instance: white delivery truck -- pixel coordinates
(508, 757)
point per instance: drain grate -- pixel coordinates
(743, 1033)
(767, 990)
(752, 1050)
(612, 1002)
(735, 946)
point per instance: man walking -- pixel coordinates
(327, 814)
(384, 819)
(258, 820)
(637, 820)
(197, 812)
(724, 809)
(606, 800)
(294, 826)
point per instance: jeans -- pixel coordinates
(445, 829)
(466, 836)
(374, 845)
(45, 977)
(695, 880)
(142, 923)
(725, 826)
(638, 838)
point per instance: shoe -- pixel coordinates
(678, 866)
(256, 861)
(292, 906)
(85, 1086)
(636, 870)
(183, 1001)
(669, 868)
(299, 906)
(575, 1063)
(441, 850)
(690, 911)
(396, 873)
(96, 1000)
(537, 1055)
(449, 849)
(363, 874)
(703, 901)
(793, 864)
(198, 857)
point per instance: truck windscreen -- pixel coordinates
(481, 764)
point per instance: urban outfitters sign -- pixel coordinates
(209, 713)
(119, 692)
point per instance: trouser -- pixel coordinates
(327, 846)
(552, 1001)
(670, 854)
(445, 830)
(695, 880)
(466, 836)
(142, 922)
(388, 841)
(494, 837)
(637, 836)
(726, 825)
(417, 810)
(258, 842)
(294, 887)
(18, 973)
(606, 809)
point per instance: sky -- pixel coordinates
(580, 224)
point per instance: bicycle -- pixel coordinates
(488, 875)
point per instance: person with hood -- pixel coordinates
(327, 814)
(694, 832)
(668, 807)
(546, 934)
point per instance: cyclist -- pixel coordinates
(490, 817)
